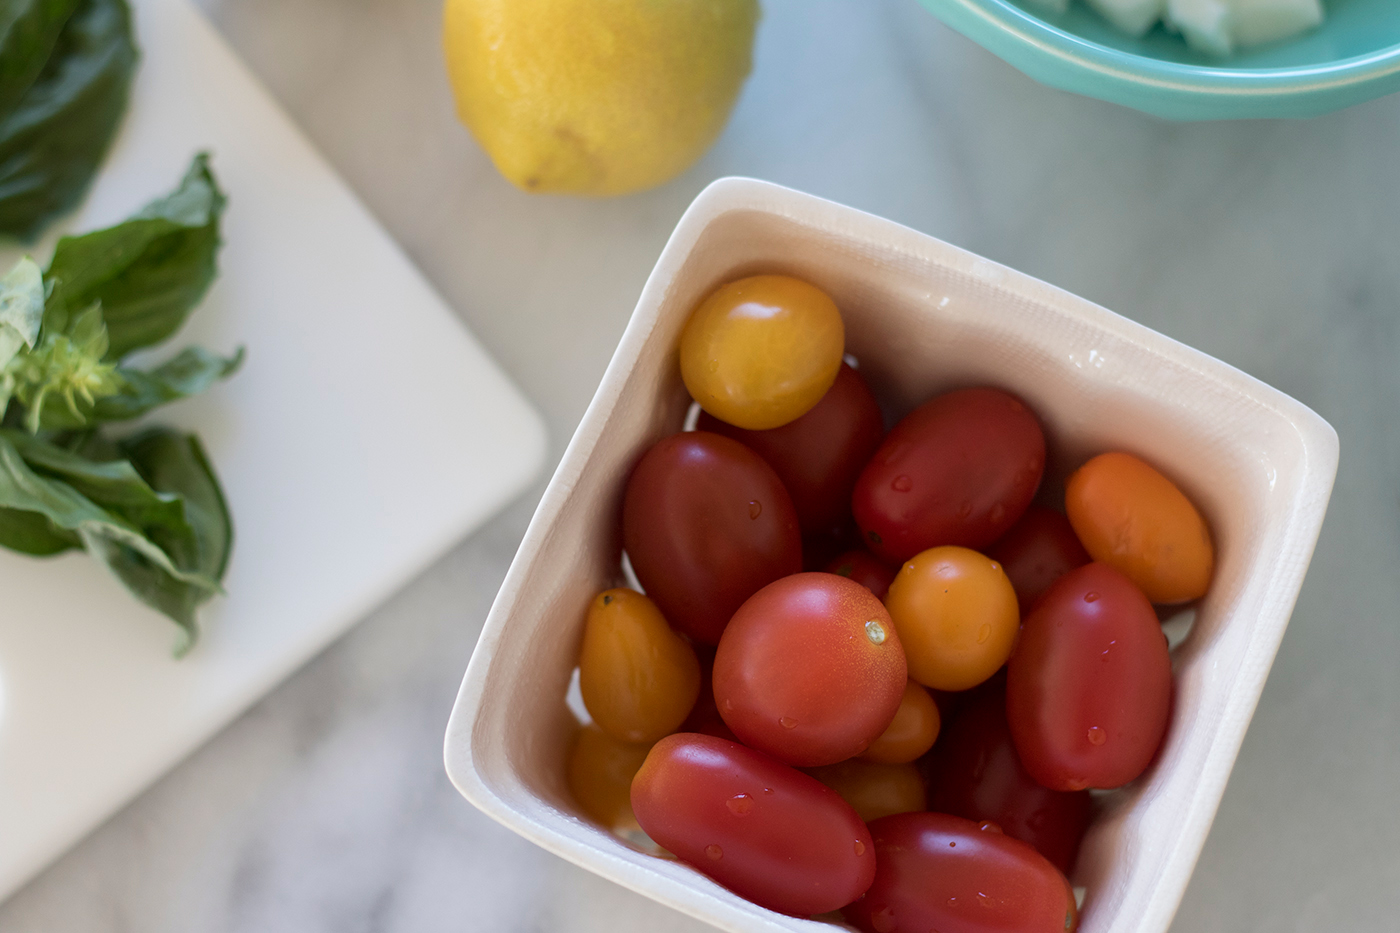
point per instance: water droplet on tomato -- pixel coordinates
(787, 722)
(739, 804)
(875, 632)
(987, 826)
(902, 483)
(1091, 597)
(883, 919)
(1097, 736)
(713, 366)
(984, 899)
(952, 902)
(860, 847)
(768, 790)
(983, 634)
(714, 852)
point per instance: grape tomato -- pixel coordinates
(960, 469)
(819, 455)
(600, 773)
(1037, 551)
(762, 351)
(864, 568)
(974, 772)
(639, 679)
(810, 670)
(1131, 517)
(912, 732)
(706, 524)
(874, 789)
(940, 872)
(1088, 691)
(764, 830)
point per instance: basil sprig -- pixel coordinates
(65, 72)
(148, 506)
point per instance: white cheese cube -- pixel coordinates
(1134, 17)
(1256, 21)
(1206, 24)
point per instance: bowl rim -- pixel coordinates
(1012, 32)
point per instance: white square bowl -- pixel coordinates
(923, 317)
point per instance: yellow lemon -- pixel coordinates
(596, 96)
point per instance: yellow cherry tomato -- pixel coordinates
(762, 351)
(639, 679)
(1134, 519)
(600, 776)
(956, 614)
(912, 732)
(873, 789)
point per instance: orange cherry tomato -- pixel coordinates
(874, 789)
(956, 614)
(600, 776)
(912, 732)
(762, 351)
(639, 679)
(1137, 521)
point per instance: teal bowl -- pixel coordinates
(1353, 56)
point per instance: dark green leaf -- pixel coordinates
(32, 533)
(188, 373)
(175, 463)
(148, 272)
(28, 31)
(53, 138)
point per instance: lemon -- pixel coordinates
(596, 96)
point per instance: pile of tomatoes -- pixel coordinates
(821, 595)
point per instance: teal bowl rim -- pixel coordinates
(1018, 36)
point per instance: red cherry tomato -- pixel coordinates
(810, 670)
(766, 831)
(866, 569)
(1089, 687)
(1037, 551)
(818, 456)
(706, 524)
(960, 469)
(974, 772)
(940, 872)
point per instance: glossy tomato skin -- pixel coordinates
(1037, 551)
(762, 829)
(945, 873)
(864, 568)
(1089, 687)
(600, 772)
(810, 670)
(706, 524)
(960, 469)
(911, 733)
(818, 456)
(874, 789)
(974, 772)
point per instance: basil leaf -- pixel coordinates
(55, 135)
(188, 373)
(33, 534)
(61, 380)
(148, 272)
(28, 31)
(21, 312)
(175, 463)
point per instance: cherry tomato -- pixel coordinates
(944, 873)
(810, 670)
(766, 831)
(706, 524)
(974, 772)
(960, 469)
(874, 789)
(819, 455)
(864, 568)
(820, 548)
(1037, 551)
(600, 776)
(762, 351)
(956, 615)
(1089, 689)
(639, 679)
(1134, 519)
(912, 732)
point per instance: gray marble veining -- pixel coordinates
(1271, 245)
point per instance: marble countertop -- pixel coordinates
(1271, 245)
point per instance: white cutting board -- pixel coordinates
(365, 434)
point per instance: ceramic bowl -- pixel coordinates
(1352, 57)
(922, 317)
